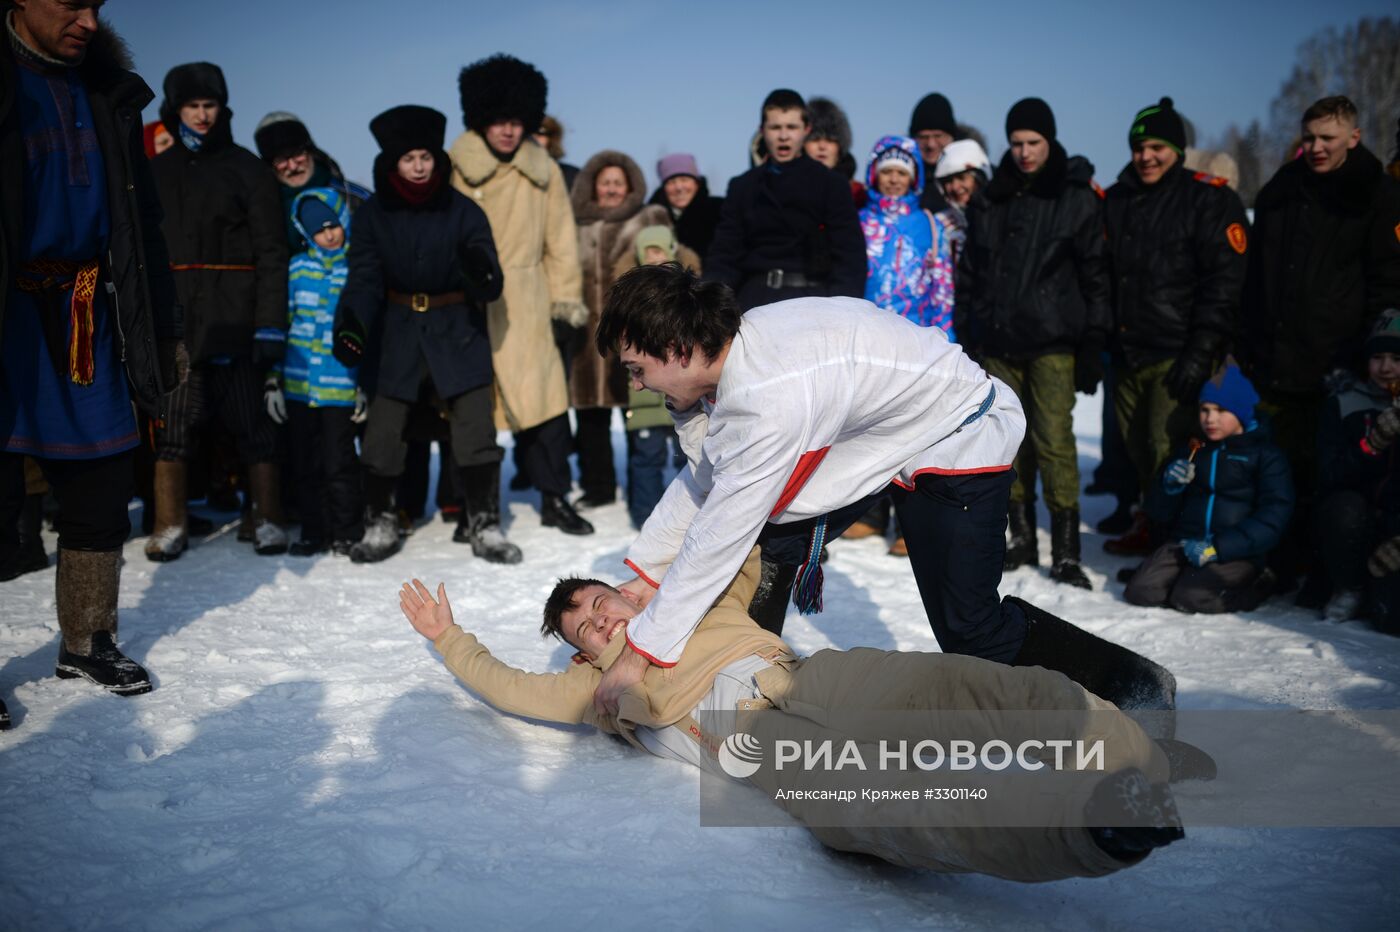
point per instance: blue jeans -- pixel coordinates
(647, 450)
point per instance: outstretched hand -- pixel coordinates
(429, 617)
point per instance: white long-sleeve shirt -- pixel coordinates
(821, 402)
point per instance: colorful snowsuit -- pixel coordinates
(310, 374)
(909, 252)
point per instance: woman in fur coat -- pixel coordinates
(607, 201)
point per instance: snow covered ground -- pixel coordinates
(307, 762)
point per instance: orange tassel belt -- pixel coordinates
(44, 277)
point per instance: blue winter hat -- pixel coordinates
(1229, 389)
(316, 215)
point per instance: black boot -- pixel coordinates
(1064, 550)
(85, 588)
(4, 716)
(1126, 679)
(1022, 549)
(30, 554)
(1128, 816)
(555, 512)
(480, 524)
(770, 600)
(381, 539)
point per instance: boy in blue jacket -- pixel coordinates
(1227, 502)
(315, 394)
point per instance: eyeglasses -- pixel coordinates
(283, 161)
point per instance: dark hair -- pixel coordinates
(1339, 107)
(660, 309)
(560, 601)
(784, 99)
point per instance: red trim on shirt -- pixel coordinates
(1367, 448)
(938, 471)
(806, 465)
(659, 663)
(642, 576)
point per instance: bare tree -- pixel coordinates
(1362, 62)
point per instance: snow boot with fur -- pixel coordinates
(381, 540)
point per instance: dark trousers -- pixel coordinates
(597, 475)
(231, 393)
(1115, 473)
(1168, 578)
(327, 472)
(470, 419)
(542, 452)
(955, 529)
(647, 452)
(92, 498)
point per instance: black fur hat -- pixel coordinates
(403, 129)
(195, 81)
(281, 133)
(502, 88)
(829, 122)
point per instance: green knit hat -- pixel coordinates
(1159, 122)
(659, 236)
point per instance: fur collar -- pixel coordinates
(474, 161)
(586, 210)
(1351, 187)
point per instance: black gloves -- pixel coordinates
(569, 339)
(1088, 366)
(349, 348)
(1187, 375)
(478, 270)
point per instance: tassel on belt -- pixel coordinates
(47, 279)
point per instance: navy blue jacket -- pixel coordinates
(1241, 498)
(1342, 463)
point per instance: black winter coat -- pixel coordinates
(395, 246)
(222, 208)
(1325, 261)
(1241, 498)
(1343, 464)
(696, 225)
(797, 217)
(1177, 254)
(136, 263)
(1033, 278)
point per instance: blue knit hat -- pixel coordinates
(316, 215)
(1229, 389)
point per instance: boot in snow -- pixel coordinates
(4, 716)
(381, 539)
(1344, 605)
(1136, 543)
(1022, 549)
(556, 512)
(30, 555)
(169, 538)
(770, 600)
(480, 523)
(1064, 550)
(264, 486)
(86, 591)
(1128, 816)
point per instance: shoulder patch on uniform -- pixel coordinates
(1097, 190)
(1215, 181)
(1236, 235)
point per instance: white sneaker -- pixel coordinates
(1343, 605)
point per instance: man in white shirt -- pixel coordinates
(798, 409)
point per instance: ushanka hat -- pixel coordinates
(281, 134)
(195, 81)
(502, 88)
(828, 121)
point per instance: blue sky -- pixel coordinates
(655, 77)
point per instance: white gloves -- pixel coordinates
(274, 401)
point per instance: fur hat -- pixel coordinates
(829, 122)
(281, 133)
(196, 81)
(403, 129)
(502, 88)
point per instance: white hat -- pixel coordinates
(960, 156)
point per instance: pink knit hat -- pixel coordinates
(681, 163)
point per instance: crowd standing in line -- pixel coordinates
(175, 282)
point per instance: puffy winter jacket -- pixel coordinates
(228, 246)
(310, 373)
(1344, 464)
(1177, 253)
(1240, 499)
(1324, 262)
(1034, 272)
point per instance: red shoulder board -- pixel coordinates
(1215, 181)
(578, 657)
(1097, 190)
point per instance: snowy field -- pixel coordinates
(306, 762)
